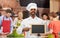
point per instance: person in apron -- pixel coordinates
(3, 13)
(17, 22)
(6, 23)
(54, 25)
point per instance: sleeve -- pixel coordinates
(1, 20)
(15, 21)
(20, 28)
(11, 29)
(51, 25)
(1, 24)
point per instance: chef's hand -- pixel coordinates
(25, 29)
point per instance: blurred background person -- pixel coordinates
(55, 14)
(17, 22)
(54, 25)
(45, 18)
(0, 15)
(50, 17)
(6, 23)
(18, 19)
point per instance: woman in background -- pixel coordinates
(17, 22)
(45, 18)
(6, 23)
(54, 25)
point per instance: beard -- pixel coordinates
(33, 13)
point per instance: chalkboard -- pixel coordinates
(38, 29)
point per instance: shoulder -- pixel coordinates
(39, 19)
(16, 19)
(1, 17)
(52, 22)
(24, 20)
(10, 18)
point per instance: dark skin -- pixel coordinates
(25, 29)
(32, 14)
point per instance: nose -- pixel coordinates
(33, 10)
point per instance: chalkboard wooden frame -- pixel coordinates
(37, 33)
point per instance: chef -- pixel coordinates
(32, 19)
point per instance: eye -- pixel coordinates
(33, 9)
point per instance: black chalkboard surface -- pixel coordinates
(38, 29)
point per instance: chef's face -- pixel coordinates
(33, 11)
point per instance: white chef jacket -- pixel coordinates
(27, 23)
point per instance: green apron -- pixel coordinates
(14, 34)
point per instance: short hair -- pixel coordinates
(54, 15)
(0, 7)
(8, 11)
(46, 15)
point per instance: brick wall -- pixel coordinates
(10, 3)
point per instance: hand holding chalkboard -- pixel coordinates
(26, 29)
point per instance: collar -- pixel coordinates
(33, 18)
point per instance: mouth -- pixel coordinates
(33, 13)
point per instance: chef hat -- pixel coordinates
(31, 5)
